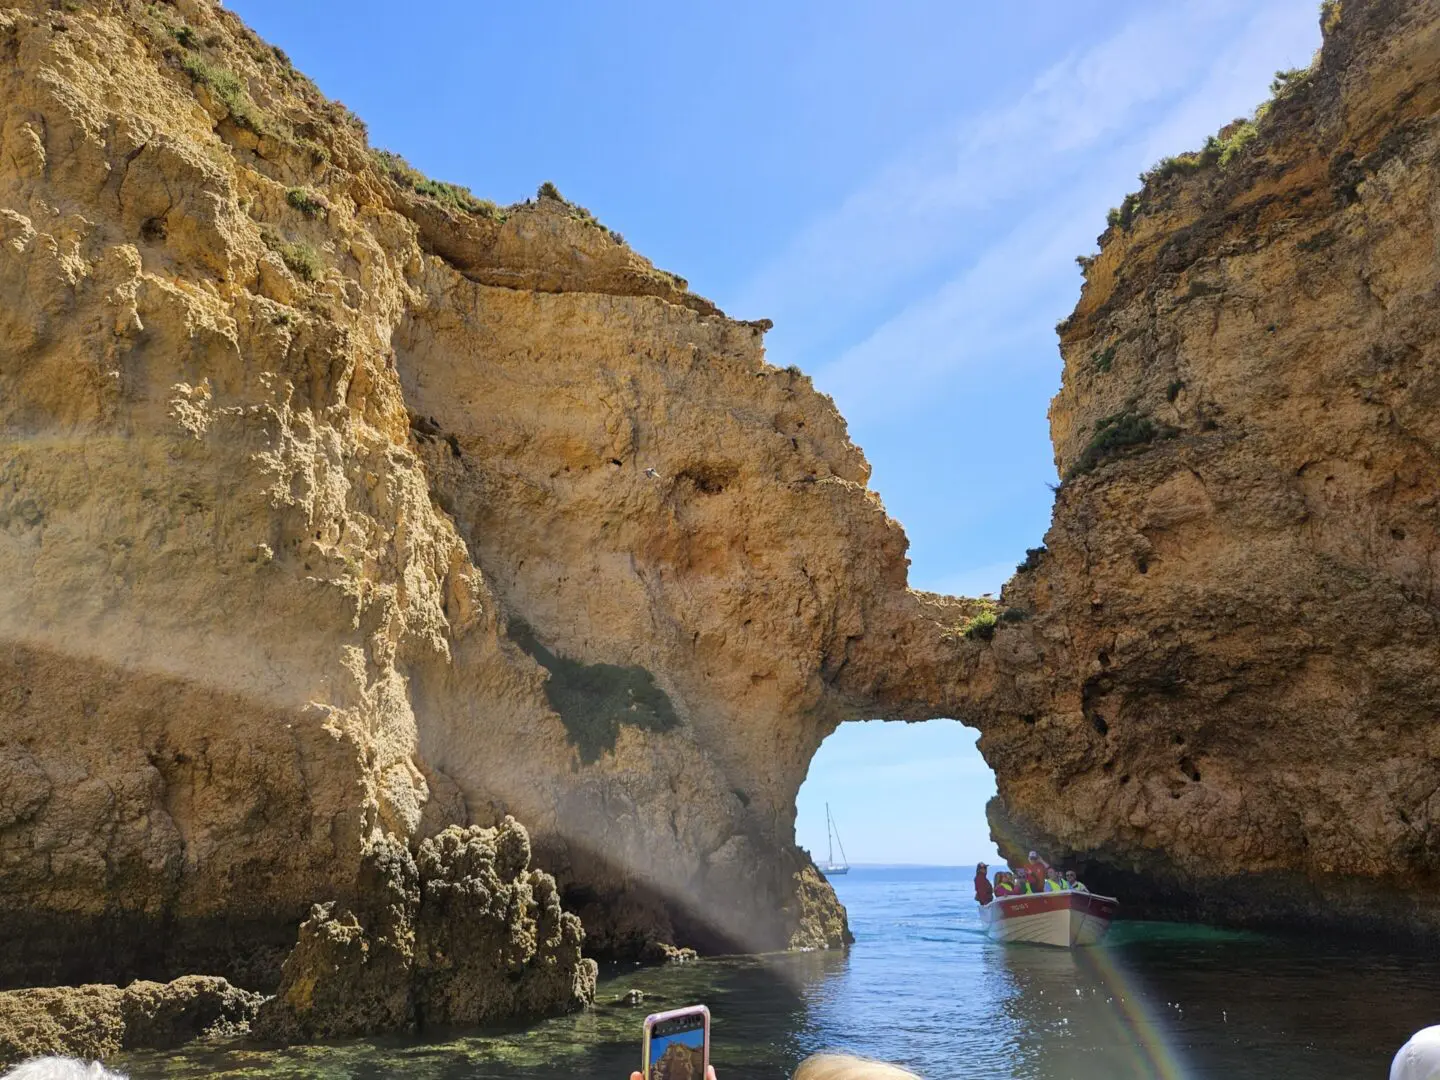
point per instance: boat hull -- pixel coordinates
(1063, 919)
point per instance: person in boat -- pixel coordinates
(1030, 883)
(1053, 880)
(1073, 883)
(1004, 883)
(983, 891)
(1035, 871)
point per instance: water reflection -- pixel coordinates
(1079, 1015)
(924, 987)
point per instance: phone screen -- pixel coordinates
(675, 1045)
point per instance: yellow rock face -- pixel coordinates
(333, 505)
(1231, 665)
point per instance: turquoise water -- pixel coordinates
(924, 987)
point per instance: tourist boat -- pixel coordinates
(832, 838)
(1065, 918)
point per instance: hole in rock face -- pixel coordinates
(709, 478)
(1188, 768)
(899, 793)
(1098, 723)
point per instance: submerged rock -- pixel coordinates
(97, 1020)
(465, 933)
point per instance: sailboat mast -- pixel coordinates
(829, 838)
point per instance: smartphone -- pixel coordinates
(677, 1044)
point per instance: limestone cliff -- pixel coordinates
(1224, 699)
(338, 504)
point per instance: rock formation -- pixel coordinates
(337, 504)
(339, 507)
(1223, 703)
(467, 933)
(97, 1021)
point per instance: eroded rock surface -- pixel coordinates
(337, 505)
(338, 508)
(465, 933)
(95, 1021)
(1224, 701)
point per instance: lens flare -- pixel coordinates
(1147, 1028)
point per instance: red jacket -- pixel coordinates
(983, 892)
(1035, 871)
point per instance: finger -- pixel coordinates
(709, 1072)
(637, 1076)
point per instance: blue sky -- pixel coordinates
(901, 187)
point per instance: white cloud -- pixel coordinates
(1056, 149)
(1014, 290)
(903, 220)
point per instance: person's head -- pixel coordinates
(1034, 856)
(1052, 873)
(1070, 876)
(980, 868)
(846, 1067)
(60, 1068)
(1418, 1059)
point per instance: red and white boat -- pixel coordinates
(1064, 918)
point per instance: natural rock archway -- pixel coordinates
(337, 504)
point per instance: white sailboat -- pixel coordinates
(832, 839)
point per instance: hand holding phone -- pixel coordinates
(677, 1045)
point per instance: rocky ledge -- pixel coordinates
(96, 1021)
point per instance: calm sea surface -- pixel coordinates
(922, 986)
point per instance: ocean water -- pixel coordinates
(922, 986)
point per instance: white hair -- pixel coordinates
(59, 1068)
(847, 1067)
(1418, 1059)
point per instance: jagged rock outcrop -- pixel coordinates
(464, 933)
(1223, 703)
(337, 504)
(339, 507)
(96, 1021)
